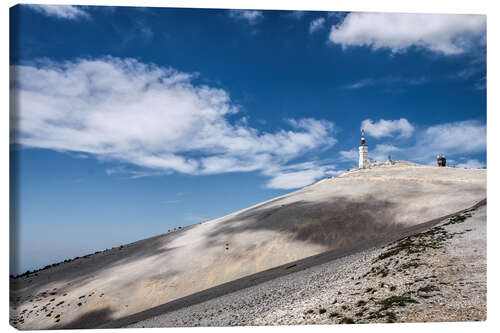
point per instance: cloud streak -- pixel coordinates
(250, 16)
(68, 12)
(390, 81)
(152, 117)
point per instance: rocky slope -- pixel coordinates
(347, 212)
(435, 275)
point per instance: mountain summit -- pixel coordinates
(358, 209)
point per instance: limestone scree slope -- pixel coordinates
(330, 215)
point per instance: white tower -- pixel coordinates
(363, 151)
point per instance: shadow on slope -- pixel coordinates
(335, 223)
(88, 320)
(275, 272)
(83, 269)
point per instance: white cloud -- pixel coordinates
(152, 117)
(296, 179)
(456, 138)
(68, 12)
(379, 153)
(299, 175)
(384, 127)
(250, 16)
(471, 164)
(382, 152)
(349, 155)
(450, 139)
(316, 24)
(441, 33)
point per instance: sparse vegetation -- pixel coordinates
(412, 264)
(361, 303)
(458, 219)
(402, 300)
(417, 244)
(346, 320)
(378, 270)
(388, 315)
(428, 289)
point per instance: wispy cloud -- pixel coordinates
(446, 34)
(387, 82)
(144, 30)
(171, 202)
(249, 16)
(296, 14)
(317, 24)
(467, 72)
(299, 175)
(128, 173)
(81, 156)
(360, 84)
(337, 15)
(471, 164)
(480, 84)
(121, 110)
(195, 217)
(454, 139)
(68, 12)
(348, 155)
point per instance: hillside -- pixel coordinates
(349, 212)
(436, 275)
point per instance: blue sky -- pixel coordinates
(129, 121)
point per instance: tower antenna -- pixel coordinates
(363, 151)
